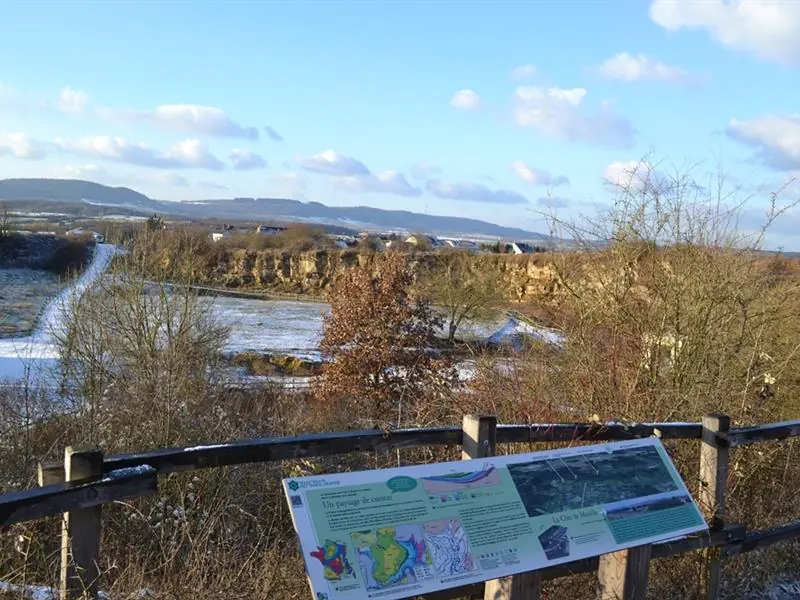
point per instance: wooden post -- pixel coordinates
(714, 456)
(80, 532)
(50, 474)
(479, 438)
(480, 441)
(623, 575)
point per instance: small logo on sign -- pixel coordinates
(401, 484)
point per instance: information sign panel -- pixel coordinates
(395, 533)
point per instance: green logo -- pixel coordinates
(294, 486)
(401, 484)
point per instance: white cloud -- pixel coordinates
(473, 192)
(424, 170)
(524, 72)
(559, 113)
(536, 176)
(331, 162)
(194, 154)
(21, 145)
(246, 160)
(186, 118)
(466, 100)
(351, 174)
(273, 135)
(185, 154)
(775, 137)
(629, 175)
(388, 182)
(768, 29)
(72, 101)
(627, 67)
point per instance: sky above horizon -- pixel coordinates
(501, 111)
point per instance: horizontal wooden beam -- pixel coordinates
(52, 500)
(594, 432)
(326, 444)
(764, 433)
(273, 449)
(755, 540)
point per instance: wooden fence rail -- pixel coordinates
(86, 480)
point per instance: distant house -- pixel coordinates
(343, 242)
(80, 231)
(217, 236)
(462, 245)
(424, 240)
(270, 229)
(519, 248)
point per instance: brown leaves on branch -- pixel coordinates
(381, 342)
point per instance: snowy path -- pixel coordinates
(34, 357)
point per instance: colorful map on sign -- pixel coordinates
(449, 548)
(392, 556)
(454, 482)
(333, 557)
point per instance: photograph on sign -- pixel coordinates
(395, 533)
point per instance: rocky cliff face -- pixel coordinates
(526, 277)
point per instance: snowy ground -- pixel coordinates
(293, 327)
(285, 327)
(23, 296)
(35, 357)
(271, 326)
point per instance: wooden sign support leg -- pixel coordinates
(480, 441)
(80, 533)
(623, 575)
(713, 479)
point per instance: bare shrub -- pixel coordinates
(676, 316)
(671, 310)
(132, 349)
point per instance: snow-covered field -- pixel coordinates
(286, 327)
(271, 326)
(292, 327)
(35, 357)
(23, 295)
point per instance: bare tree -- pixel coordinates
(465, 289)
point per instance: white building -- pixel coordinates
(217, 236)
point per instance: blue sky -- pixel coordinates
(493, 110)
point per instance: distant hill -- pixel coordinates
(256, 209)
(73, 190)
